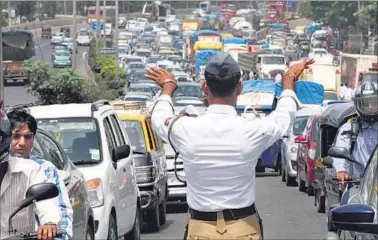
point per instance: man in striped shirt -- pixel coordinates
(24, 128)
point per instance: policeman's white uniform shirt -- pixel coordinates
(342, 92)
(278, 78)
(348, 93)
(220, 149)
(21, 174)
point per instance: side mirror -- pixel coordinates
(121, 152)
(37, 192)
(339, 152)
(301, 139)
(328, 162)
(355, 217)
(66, 175)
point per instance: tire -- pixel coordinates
(278, 165)
(328, 212)
(134, 234)
(301, 183)
(283, 174)
(290, 181)
(309, 189)
(260, 168)
(153, 219)
(319, 202)
(163, 212)
(112, 230)
(89, 235)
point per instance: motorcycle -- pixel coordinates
(37, 192)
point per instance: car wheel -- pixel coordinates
(153, 219)
(283, 173)
(89, 235)
(163, 212)
(309, 188)
(290, 181)
(328, 213)
(112, 230)
(134, 234)
(301, 183)
(260, 168)
(319, 202)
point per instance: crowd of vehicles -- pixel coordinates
(112, 143)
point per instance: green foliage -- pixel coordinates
(337, 14)
(53, 86)
(367, 16)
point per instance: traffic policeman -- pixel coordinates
(220, 149)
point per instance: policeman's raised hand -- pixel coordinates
(161, 76)
(296, 69)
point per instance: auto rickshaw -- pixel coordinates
(66, 31)
(328, 190)
(46, 32)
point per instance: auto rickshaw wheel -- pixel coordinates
(319, 201)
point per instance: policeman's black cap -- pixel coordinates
(222, 64)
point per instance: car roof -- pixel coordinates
(64, 110)
(143, 85)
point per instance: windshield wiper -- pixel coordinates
(83, 162)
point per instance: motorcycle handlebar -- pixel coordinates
(29, 236)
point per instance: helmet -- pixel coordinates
(366, 99)
(5, 135)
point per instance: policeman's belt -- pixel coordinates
(228, 214)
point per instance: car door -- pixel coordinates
(56, 155)
(125, 171)
(119, 181)
(161, 161)
(367, 193)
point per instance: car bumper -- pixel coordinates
(83, 42)
(101, 216)
(176, 189)
(149, 199)
(291, 164)
(58, 64)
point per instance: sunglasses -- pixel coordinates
(26, 136)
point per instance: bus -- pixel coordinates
(110, 14)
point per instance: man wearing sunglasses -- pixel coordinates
(24, 128)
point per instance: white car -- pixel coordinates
(57, 38)
(83, 38)
(289, 148)
(98, 145)
(181, 76)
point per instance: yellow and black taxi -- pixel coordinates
(149, 159)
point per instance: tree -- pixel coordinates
(55, 86)
(367, 17)
(336, 14)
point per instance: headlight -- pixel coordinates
(294, 149)
(145, 174)
(95, 192)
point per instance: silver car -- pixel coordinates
(47, 148)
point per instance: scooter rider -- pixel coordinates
(16, 176)
(359, 134)
(220, 149)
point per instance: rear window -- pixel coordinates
(66, 54)
(299, 125)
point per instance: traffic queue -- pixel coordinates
(113, 143)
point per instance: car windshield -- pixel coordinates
(153, 59)
(188, 90)
(130, 60)
(140, 89)
(299, 125)
(79, 138)
(320, 52)
(139, 75)
(330, 96)
(62, 54)
(83, 33)
(136, 65)
(136, 99)
(274, 60)
(135, 134)
(143, 54)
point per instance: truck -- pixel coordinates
(163, 12)
(18, 46)
(356, 68)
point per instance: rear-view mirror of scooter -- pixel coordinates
(340, 152)
(35, 193)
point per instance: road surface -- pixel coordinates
(17, 94)
(286, 213)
